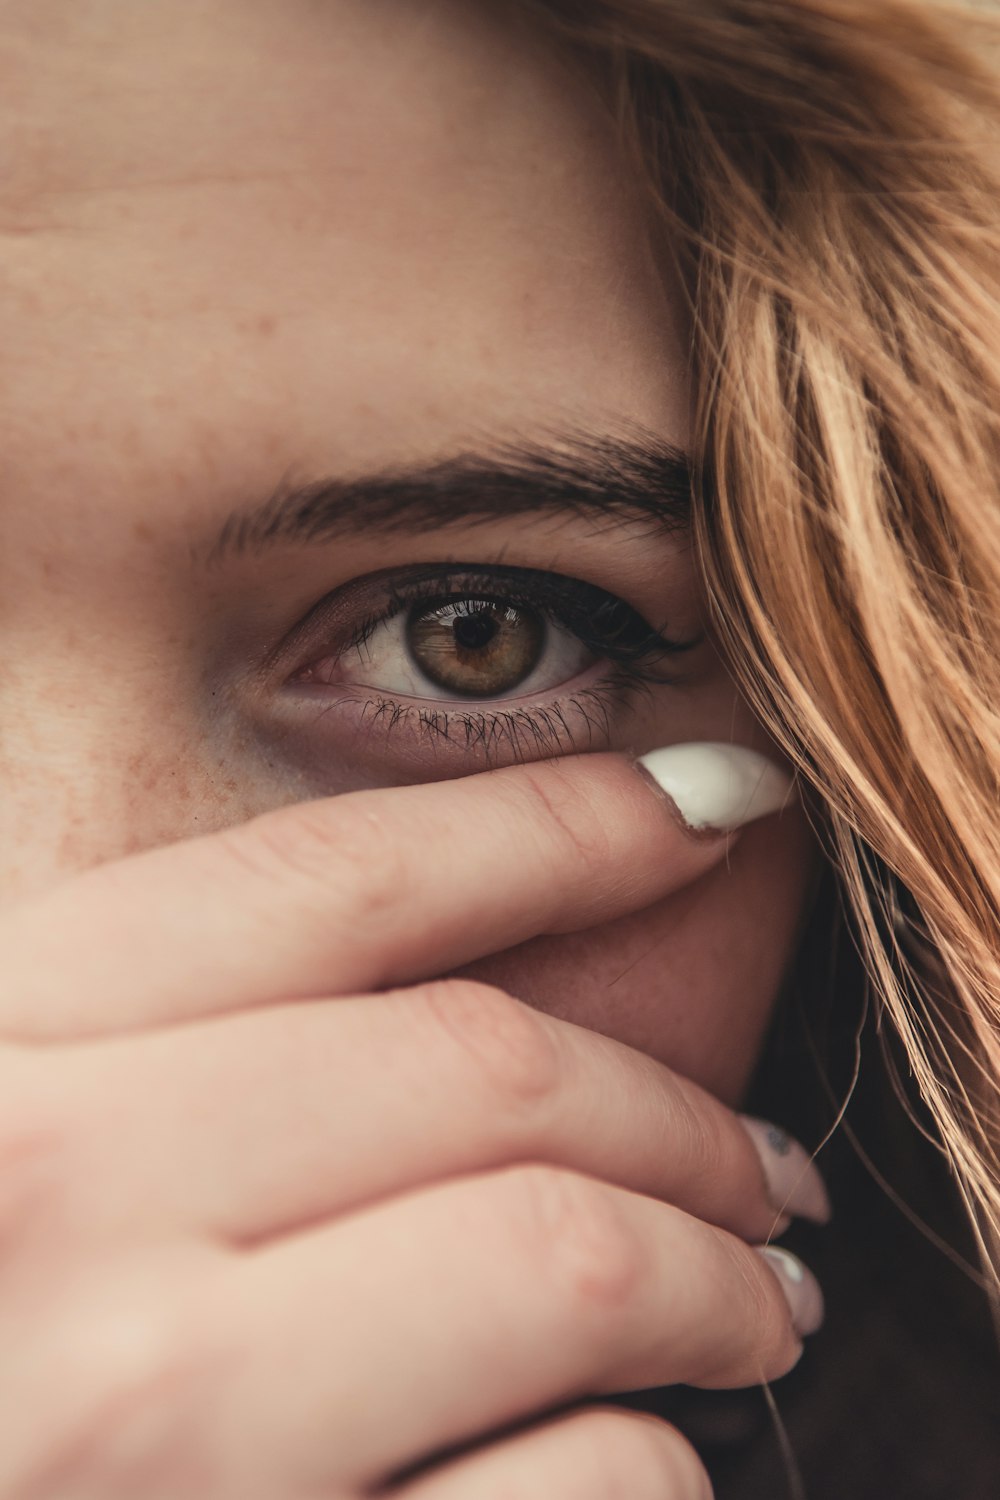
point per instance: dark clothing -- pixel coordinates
(898, 1396)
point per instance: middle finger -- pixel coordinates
(244, 1127)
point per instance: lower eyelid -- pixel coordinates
(396, 739)
(560, 727)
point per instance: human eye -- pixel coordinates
(489, 662)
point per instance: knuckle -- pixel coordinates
(577, 1234)
(510, 1045)
(40, 1151)
(557, 807)
(635, 1457)
(129, 1364)
(329, 846)
(32, 1170)
(699, 1136)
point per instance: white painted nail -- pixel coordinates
(716, 785)
(801, 1289)
(794, 1185)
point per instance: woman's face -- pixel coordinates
(247, 246)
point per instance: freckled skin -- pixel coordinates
(247, 235)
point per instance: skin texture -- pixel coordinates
(278, 1167)
(254, 1246)
(256, 235)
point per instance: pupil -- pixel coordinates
(472, 632)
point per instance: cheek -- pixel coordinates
(693, 980)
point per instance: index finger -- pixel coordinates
(354, 893)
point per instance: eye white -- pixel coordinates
(384, 661)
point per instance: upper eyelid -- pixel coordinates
(344, 617)
(430, 588)
(547, 584)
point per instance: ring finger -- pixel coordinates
(583, 1455)
(244, 1127)
(499, 1296)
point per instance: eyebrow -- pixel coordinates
(604, 478)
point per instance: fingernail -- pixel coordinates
(718, 785)
(794, 1185)
(799, 1286)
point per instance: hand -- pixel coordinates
(254, 1244)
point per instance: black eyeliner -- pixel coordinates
(604, 623)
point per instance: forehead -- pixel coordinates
(341, 229)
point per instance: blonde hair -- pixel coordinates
(823, 169)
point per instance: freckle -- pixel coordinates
(267, 325)
(184, 795)
(142, 531)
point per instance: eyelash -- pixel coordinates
(580, 607)
(545, 727)
(641, 658)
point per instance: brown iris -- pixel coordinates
(476, 648)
